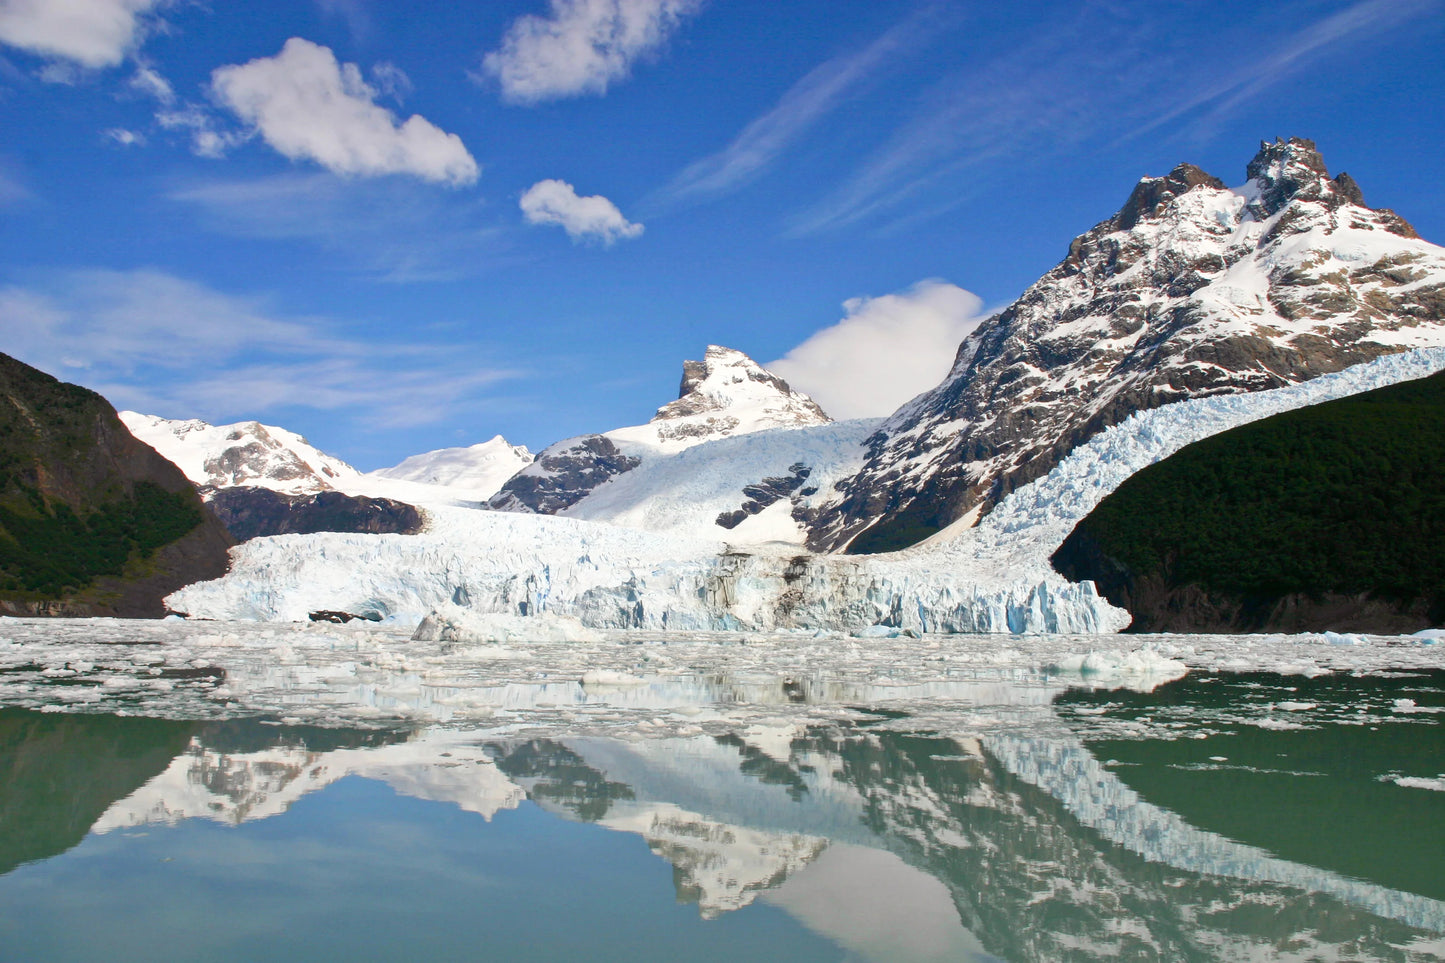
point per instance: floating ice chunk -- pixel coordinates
(1344, 638)
(1430, 636)
(455, 624)
(1143, 669)
(1416, 782)
(883, 632)
(608, 679)
(1295, 706)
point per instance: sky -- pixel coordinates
(399, 227)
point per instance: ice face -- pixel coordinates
(994, 578)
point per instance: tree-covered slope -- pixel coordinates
(92, 522)
(1329, 517)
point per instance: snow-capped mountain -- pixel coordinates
(480, 469)
(725, 395)
(246, 454)
(1191, 289)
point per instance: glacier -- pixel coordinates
(993, 577)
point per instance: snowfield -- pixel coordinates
(993, 578)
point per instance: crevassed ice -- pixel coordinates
(992, 578)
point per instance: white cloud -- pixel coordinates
(583, 218)
(124, 137)
(391, 80)
(887, 350)
(206, 140)
(91, 33)
(308, 106)
(154, 342)
(584, 46)
(148, 81)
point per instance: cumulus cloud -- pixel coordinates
(154, 342)
(582, 47)
(91, 33)
(583, 218)
(885, 351)
(310, 107)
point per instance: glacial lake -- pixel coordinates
(228, 791)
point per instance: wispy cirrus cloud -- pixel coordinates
(820, 92)
(159, 343)
(583, 47)
(391, 229)
(1108, 72)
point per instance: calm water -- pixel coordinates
(1220, 817)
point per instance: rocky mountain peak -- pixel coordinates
(1151, 194)
(728, 379)
(1289, 170)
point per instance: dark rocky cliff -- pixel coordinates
(253, 512)
(92, 521)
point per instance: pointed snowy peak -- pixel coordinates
(481, 468)
(729, 393)
(1293, 169)
(247, 453)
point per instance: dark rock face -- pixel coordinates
(87, 498)
(767, 492)
(253, 512)
(1190, 290)
(562, 476)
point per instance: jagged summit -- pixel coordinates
(1191, 289)
(740, 392)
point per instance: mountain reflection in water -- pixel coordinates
(1129, 839)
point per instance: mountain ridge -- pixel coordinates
(1191, 289)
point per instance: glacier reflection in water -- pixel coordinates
(863, 836)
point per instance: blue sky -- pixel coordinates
(397, 227)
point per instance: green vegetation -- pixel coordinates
(1344, 497)
(50, 551)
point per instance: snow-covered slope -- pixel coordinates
(993, 578)
(749, 489)
(249, 454)
(1191, 290)
(725, 395)
(479, 470)
(244, 454)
